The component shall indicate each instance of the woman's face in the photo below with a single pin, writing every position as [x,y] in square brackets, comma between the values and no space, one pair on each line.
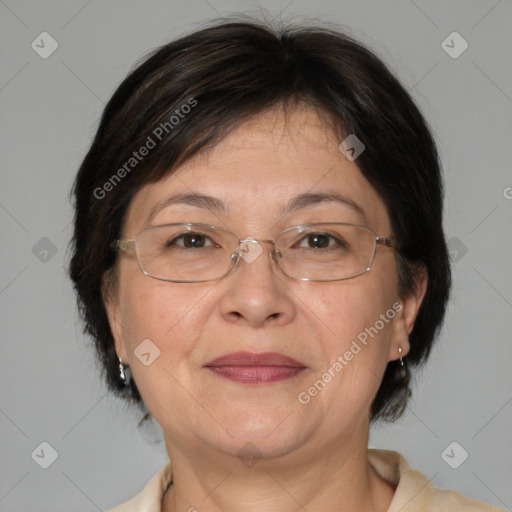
[255,173]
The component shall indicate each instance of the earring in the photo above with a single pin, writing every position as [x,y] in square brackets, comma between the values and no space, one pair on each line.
[122,374]
[403,369]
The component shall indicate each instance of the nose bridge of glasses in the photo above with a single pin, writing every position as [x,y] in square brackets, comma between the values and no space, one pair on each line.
[252,240]
[249,249]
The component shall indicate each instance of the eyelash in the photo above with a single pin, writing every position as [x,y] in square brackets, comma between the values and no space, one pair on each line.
[299,242]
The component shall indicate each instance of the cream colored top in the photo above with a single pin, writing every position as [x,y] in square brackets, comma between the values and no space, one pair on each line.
[414,491]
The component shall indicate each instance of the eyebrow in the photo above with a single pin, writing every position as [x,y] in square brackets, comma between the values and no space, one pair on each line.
[298,202]
[198,200]
[310,199]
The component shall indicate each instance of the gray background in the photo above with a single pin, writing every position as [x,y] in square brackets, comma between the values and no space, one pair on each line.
[50,387]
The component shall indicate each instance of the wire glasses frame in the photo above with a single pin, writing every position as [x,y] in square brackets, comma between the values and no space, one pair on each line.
[160,256]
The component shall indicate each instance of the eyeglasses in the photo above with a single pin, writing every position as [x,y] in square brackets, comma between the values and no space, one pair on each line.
[190,253]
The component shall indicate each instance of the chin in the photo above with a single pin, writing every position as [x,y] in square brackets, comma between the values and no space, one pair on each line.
[268,435]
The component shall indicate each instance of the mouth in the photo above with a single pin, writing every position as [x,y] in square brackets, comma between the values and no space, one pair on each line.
[251,368]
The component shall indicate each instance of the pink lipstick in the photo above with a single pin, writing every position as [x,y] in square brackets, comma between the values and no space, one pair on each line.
[251,368]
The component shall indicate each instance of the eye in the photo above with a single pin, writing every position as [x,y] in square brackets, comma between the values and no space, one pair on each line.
[191,241]
[318,241]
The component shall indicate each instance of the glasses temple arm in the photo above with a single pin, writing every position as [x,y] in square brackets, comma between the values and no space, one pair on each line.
[385,241]
[122,245]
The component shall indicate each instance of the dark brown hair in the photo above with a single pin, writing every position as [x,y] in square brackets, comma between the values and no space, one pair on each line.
[227,73]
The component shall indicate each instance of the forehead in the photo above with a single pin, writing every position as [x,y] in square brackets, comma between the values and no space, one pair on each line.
[257,170]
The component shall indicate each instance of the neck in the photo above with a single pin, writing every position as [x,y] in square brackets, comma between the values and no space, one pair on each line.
[338,477]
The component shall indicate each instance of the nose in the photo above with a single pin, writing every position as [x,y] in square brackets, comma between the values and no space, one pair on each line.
[256,292]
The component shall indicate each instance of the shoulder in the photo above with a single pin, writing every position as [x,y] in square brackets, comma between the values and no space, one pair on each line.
[150,498]
[415,492]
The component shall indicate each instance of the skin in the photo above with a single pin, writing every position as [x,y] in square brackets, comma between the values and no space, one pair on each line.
[314,455]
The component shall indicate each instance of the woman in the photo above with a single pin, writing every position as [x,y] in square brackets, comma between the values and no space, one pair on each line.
[259,256]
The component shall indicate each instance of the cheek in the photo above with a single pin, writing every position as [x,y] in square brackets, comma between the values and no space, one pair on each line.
[159,310]
[357,319]
[171,317]
[349,309]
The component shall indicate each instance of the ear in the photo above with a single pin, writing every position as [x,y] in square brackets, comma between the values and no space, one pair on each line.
[111,302]
[407,312]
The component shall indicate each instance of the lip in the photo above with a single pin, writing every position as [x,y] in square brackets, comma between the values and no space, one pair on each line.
[251,368]
[252,359]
